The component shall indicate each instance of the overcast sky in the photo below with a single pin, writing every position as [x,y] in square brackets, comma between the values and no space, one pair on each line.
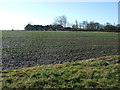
[15,14]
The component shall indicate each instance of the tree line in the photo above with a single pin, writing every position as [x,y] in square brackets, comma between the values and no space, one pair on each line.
[60,23]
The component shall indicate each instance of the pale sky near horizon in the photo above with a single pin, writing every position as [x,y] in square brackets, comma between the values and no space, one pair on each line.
[16,15]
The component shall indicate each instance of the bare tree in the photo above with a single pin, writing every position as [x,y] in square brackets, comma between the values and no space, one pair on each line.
[76,23]
[84,23]
[60,20]
[80,25]
[75,26]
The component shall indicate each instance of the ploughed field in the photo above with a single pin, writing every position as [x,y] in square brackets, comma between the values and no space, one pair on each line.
[31,48]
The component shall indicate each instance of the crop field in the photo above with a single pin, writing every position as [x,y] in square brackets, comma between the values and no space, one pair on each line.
[31,48]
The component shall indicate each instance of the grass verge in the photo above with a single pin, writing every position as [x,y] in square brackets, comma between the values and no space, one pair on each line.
[103,72]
